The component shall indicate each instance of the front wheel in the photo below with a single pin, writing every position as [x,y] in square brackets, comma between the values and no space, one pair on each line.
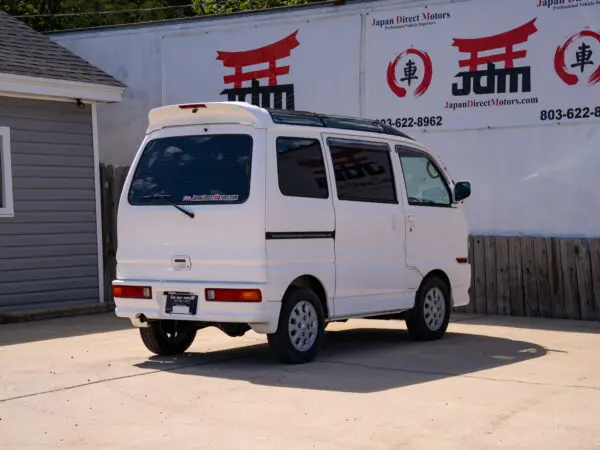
[168,337]
[301,328]
[429,318]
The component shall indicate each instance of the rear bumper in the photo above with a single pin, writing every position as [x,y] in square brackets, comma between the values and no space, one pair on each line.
[263,316]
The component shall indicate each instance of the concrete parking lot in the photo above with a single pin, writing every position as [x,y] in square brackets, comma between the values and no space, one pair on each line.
[501,382]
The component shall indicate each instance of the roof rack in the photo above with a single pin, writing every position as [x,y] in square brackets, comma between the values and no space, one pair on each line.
[309,119]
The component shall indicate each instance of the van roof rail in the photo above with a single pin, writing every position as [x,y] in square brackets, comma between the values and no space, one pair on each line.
[309,119]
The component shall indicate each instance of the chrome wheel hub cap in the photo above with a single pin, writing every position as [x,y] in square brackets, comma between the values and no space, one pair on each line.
[303,326]
[434,309]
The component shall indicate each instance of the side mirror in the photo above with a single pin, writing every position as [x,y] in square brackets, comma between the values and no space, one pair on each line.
[462,190]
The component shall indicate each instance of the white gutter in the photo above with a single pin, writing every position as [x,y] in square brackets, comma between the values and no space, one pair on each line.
[20,85]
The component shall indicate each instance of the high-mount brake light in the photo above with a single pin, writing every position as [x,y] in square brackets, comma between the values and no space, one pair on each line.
[132,292]
[192,106]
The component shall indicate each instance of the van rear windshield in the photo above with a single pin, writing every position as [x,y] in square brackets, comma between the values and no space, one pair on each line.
[189,170]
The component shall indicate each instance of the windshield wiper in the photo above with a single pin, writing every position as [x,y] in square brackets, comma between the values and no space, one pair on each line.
[169,199]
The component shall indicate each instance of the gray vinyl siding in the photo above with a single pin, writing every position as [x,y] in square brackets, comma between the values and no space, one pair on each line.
[48,250]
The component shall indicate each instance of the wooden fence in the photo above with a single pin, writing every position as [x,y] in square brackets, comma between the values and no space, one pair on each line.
[111,183]
[518,276]
[535,277]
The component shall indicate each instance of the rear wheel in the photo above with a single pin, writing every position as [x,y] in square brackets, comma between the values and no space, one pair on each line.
[429,318]
[301,328]
[168,337]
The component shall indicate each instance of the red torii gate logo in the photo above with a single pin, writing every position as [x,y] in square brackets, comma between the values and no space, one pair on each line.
[495,78]
[583,59]
[260,95]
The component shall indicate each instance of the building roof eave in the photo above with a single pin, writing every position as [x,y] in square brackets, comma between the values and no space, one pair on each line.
[26,86]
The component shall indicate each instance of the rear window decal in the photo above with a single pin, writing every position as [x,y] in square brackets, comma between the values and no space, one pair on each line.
[210,198]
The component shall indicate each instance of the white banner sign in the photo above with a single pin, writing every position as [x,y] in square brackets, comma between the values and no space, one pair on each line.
[485,64]
[291,66]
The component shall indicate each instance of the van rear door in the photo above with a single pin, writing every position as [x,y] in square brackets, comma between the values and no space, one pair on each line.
[193,208]
[300,216]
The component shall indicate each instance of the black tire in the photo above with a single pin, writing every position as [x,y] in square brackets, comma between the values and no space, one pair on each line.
[281,343]
[426,321]
[168,337]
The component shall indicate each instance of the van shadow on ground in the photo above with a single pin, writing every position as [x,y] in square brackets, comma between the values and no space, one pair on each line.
[357,360]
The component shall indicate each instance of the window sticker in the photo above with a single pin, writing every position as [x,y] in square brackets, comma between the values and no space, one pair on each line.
[210,198]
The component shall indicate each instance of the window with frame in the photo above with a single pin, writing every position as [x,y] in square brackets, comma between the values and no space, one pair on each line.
[194,170]
[6,194]
[425,184]
[301,168]
[363,171]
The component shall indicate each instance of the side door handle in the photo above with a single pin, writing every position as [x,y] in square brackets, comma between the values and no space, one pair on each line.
[412,221]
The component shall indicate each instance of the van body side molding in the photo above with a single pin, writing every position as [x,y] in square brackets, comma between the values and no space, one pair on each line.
[300,235]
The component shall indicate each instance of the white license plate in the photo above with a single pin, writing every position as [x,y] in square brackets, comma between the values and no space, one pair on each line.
[182,303]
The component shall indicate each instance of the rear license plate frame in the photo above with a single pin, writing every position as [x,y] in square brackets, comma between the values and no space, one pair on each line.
[181,303]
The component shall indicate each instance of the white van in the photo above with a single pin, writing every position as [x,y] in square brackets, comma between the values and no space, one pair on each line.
[244,218]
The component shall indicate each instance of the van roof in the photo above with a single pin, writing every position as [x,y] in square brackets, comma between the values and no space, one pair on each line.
[247,114]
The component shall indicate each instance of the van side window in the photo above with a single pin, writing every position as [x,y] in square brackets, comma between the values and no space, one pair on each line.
[425,185]
[363,171]
[301,168]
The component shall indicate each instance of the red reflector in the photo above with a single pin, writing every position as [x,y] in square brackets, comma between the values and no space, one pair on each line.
[132,291]
[462,260]
[233,295]
[192,106]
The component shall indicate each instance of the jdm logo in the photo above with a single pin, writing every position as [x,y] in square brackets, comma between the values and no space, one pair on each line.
[416,77]
[584,51]
[482,76]
[270,95]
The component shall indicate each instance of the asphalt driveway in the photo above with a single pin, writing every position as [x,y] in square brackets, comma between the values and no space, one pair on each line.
[88,382]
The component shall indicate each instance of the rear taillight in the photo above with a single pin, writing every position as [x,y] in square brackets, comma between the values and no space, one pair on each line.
[233,295]
[132,291]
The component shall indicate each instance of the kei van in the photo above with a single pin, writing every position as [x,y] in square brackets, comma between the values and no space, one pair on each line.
[244,218]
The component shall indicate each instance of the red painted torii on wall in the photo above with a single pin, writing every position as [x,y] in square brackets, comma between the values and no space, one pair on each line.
[504,41]
[267,54]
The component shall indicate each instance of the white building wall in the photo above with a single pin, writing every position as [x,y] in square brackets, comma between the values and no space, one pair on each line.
[137,56]
[134,58]
[527,178]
